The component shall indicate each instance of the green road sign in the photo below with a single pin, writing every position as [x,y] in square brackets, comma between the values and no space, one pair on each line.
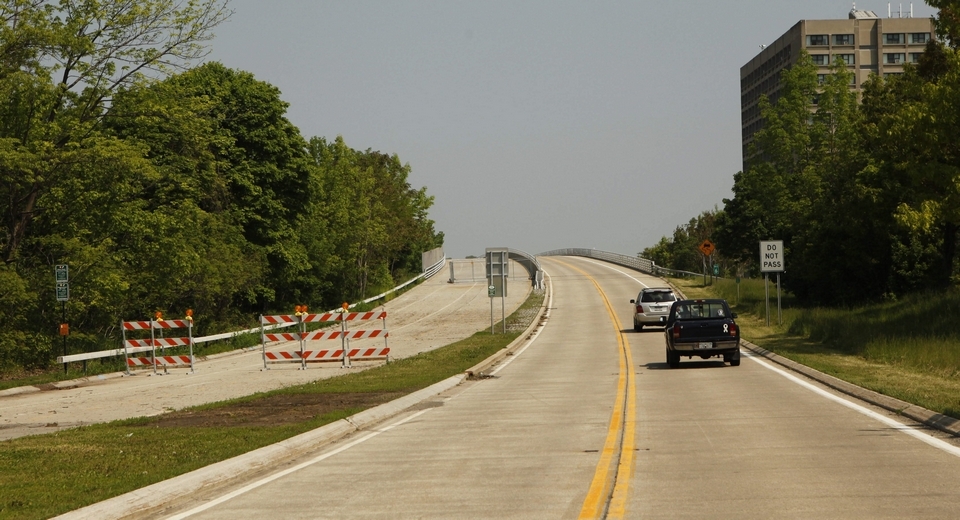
[716,269]
[63,291]
[63,273]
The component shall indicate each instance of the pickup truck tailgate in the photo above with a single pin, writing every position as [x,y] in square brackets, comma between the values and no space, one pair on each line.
[704,329]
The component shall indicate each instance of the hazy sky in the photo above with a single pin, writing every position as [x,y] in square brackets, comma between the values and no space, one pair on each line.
[536,124]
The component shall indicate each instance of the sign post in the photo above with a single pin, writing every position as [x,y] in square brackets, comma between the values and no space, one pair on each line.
[706,247]
[771,261]
[498,259]
[62,285]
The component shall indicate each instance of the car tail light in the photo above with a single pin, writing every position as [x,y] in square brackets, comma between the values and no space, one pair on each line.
[733,329]
[676,331]
[639,309]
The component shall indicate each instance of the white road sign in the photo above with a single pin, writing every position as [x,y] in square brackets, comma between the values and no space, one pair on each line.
[771,256]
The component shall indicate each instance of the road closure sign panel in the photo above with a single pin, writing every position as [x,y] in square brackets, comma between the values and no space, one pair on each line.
[771,256]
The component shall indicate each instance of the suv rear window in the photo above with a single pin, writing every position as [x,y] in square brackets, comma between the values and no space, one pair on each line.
[657,297]
[700,310]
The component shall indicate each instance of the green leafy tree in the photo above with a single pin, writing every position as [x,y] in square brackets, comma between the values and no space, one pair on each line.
[61,63]
[947,20]
[917,135]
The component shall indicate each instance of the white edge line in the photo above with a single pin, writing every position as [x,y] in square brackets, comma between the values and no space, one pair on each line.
[909,430]
[298,467]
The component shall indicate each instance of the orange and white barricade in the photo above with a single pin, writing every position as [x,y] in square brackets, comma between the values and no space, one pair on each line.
[344,355]
[282,356]
[133,346]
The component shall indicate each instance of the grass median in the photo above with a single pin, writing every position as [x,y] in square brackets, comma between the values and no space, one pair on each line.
[907,348]
[45,475]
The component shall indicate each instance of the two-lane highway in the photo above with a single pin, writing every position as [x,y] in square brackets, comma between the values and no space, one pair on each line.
[757,442]
[589,421]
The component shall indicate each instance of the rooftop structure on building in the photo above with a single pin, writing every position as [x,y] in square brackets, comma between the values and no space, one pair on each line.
[867,44]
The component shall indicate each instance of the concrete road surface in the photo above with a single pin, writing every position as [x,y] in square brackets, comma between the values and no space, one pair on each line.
[704,441]
[432,314]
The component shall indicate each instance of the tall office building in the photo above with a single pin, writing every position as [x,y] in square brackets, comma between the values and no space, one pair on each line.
[867,43]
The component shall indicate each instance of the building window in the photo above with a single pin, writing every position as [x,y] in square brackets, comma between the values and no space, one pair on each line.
[893,38]
[894,58]
[892,74]
[820,59]
[816,39]
[915,57]
[919,37]
[846,58]
[843,39]
[822,78]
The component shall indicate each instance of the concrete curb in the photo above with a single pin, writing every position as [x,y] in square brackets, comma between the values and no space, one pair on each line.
[18,390]
[60,385]
[156,495]
[930,418]
[528,334]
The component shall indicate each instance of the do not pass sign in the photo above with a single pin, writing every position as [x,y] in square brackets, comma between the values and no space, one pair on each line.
[771,256]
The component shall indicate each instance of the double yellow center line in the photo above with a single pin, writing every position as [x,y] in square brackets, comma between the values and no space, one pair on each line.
[607,496]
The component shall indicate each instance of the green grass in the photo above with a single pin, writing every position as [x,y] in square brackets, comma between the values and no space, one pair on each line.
[46,475]
[908,348]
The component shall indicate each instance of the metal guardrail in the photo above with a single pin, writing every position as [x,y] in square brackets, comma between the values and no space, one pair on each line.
[530,263]
[640,264]
[430,271]
[663,271]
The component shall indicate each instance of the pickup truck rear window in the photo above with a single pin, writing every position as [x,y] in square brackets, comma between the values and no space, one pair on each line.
[700,310]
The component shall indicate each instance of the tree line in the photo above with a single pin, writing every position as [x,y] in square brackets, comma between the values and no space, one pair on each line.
[865,193]
[167,185]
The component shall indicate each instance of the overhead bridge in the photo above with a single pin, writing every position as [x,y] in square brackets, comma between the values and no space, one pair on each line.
[473,269]
[635,262]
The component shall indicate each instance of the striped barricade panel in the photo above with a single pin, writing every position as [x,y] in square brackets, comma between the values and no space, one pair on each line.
[173,361]
[138,345]
[284,318]
[323,334]
[316,318]
[137,325]
[361,334]
[372,315]
[171,342]
[285,336]
[360,354]
[282,356]
[139,362]
[344,316]
[171,324]
[320,356]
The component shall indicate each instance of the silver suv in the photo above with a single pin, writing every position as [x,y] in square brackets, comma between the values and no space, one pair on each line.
[652,306]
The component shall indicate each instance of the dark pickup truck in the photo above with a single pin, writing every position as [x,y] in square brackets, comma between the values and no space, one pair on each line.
[702,328]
